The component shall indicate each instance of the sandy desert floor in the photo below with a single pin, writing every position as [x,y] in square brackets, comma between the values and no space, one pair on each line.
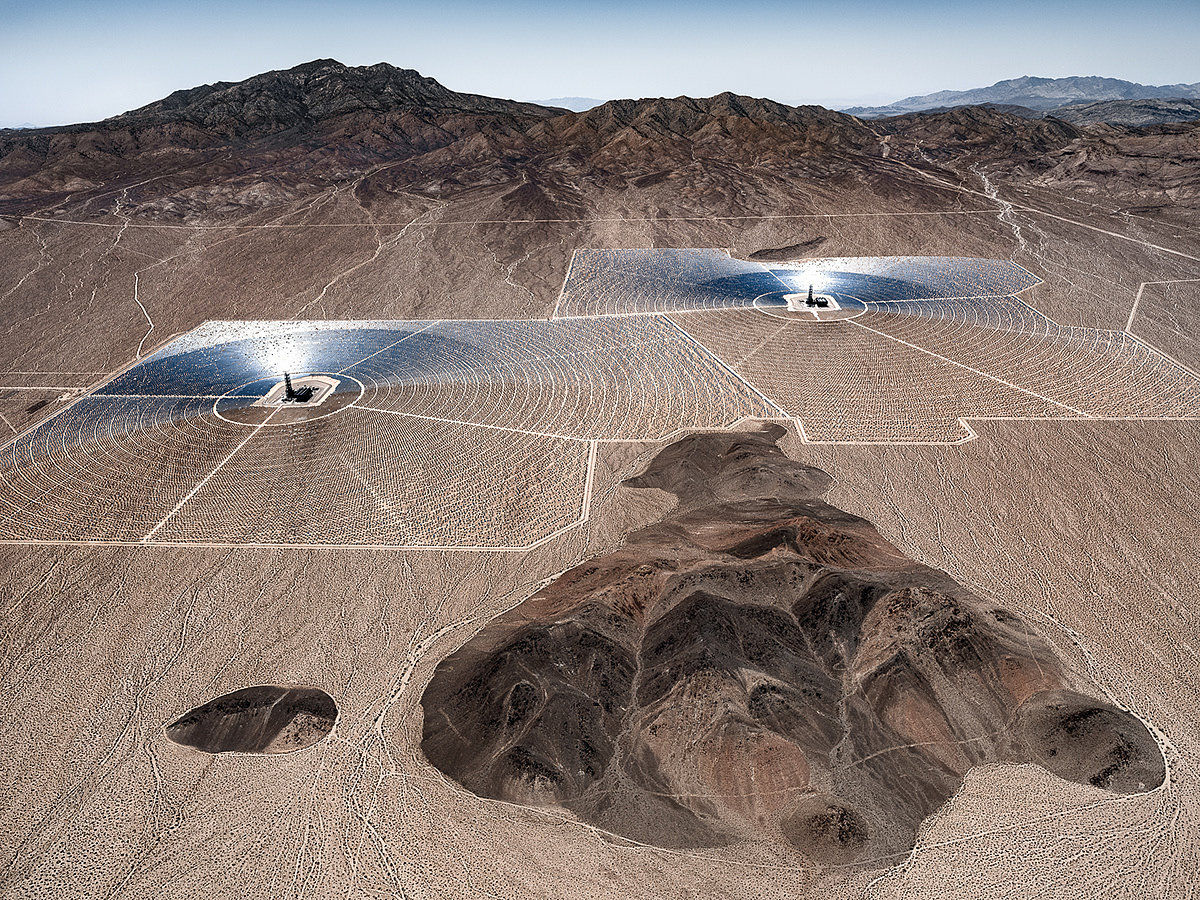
[1086,527]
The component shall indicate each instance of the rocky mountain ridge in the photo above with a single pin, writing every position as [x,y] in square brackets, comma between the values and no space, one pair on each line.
[229,149]
[304,97]
[1134,113]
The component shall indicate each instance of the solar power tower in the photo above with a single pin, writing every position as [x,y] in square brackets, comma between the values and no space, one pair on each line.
[296,395]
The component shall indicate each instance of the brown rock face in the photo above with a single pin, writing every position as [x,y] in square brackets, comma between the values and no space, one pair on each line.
[761,665]
[825,828]
[260,719]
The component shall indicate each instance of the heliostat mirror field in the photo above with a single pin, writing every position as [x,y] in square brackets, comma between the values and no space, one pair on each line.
[482,434]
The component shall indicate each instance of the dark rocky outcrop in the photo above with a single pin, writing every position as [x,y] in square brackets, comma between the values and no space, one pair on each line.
[762,665]
[259,719]
[792,251]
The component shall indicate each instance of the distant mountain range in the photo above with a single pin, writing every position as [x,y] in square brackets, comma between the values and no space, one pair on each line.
[276,135]
[1040,94]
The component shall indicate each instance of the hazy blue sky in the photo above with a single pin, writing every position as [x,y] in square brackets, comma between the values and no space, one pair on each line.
[70,61]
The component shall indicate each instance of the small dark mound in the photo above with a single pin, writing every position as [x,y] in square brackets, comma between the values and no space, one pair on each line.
[826,830]
[1084,740]
[260,719]
[783,254]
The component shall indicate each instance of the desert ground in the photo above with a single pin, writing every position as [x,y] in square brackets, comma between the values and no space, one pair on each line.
[1041,456]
